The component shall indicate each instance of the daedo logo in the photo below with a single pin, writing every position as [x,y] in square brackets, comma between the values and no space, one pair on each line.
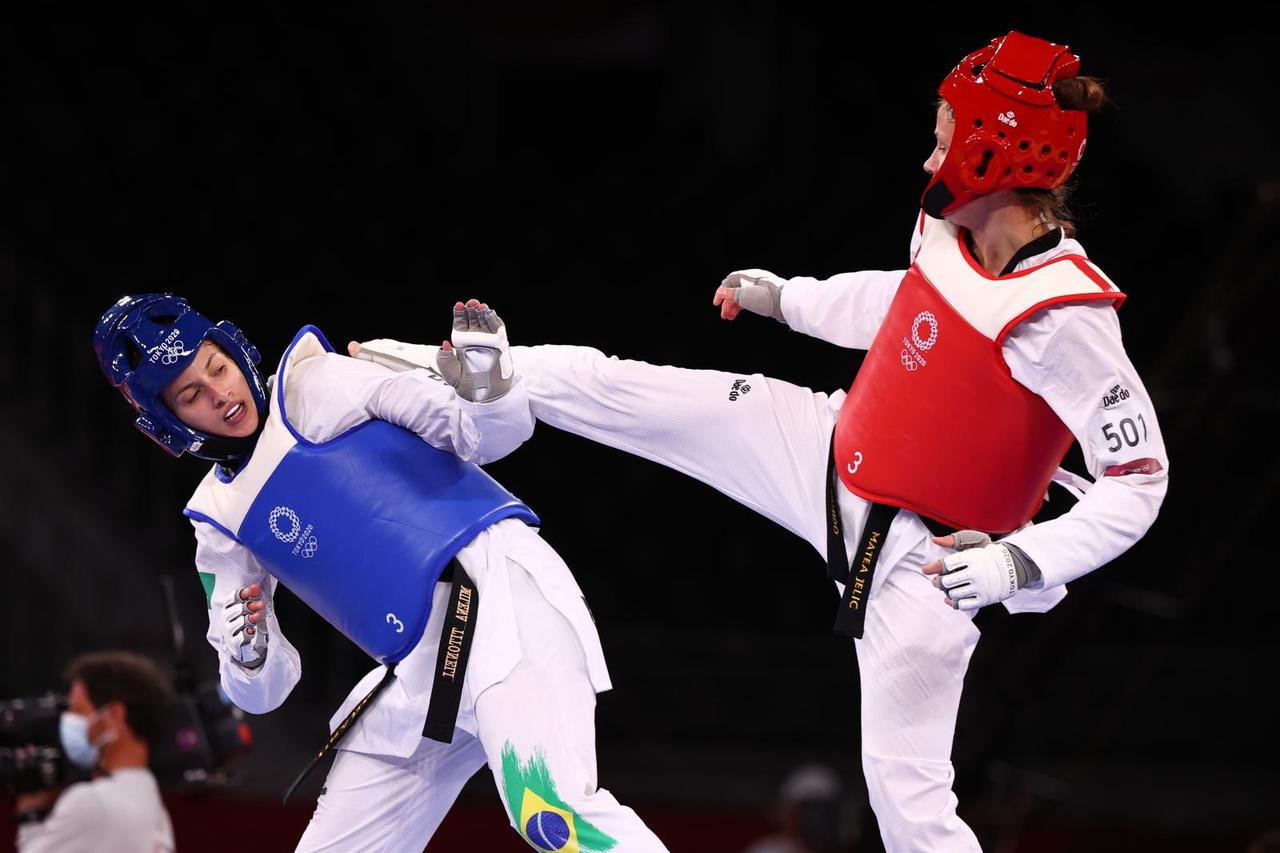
[1115,396]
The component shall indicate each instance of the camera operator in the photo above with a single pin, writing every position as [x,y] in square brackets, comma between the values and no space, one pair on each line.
[116,707]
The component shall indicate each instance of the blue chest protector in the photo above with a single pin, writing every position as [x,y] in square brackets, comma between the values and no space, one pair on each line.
[361,527]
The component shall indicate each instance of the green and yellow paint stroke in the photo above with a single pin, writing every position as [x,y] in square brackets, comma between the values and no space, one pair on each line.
[541,816]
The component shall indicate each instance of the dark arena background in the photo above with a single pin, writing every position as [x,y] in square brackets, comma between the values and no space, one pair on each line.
[593,171]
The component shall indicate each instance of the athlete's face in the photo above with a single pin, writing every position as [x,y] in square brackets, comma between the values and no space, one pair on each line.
[944,127]
[212,395]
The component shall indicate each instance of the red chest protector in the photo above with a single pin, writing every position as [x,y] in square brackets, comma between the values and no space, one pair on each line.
[934,422]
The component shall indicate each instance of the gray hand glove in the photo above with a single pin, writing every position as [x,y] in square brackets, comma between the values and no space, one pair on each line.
[758,291]
[244,626]
[988,573]
[478,365]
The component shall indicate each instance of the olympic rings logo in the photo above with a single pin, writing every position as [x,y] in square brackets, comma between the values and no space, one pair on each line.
[295,526]
[170,353]
[908,361]
[932,321]
[292,530]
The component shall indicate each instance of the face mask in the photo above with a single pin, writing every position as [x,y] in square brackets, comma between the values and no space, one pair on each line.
[74,730]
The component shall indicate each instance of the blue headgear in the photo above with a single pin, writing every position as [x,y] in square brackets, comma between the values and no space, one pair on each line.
[144,342]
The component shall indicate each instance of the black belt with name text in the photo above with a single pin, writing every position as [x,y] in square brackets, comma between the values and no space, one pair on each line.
[451,668]
[451,661]
[852,615]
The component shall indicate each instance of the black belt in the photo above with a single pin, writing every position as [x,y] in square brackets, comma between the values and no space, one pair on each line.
[852,615]
[451,660]
[451,668]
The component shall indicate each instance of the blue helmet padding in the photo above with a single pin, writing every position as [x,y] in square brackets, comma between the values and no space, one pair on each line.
[144,342]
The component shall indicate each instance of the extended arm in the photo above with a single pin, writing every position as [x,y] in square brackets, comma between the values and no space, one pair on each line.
[402,386]
[846,309]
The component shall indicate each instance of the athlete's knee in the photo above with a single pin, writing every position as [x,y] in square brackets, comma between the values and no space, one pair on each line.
[918,777]
[547,356]
[549,822]
[549,809]
[555,370]
[914,804]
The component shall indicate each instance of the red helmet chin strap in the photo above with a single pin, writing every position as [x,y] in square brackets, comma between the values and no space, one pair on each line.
[1010,130]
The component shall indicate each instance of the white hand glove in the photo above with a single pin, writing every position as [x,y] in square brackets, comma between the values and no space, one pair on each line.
[980,572]
[758,291]
[244,625]
[478,365]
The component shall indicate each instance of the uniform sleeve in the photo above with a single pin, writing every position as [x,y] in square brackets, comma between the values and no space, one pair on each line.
[331,394]
[1073,357]
[225,567]
[846,309]
[76,815]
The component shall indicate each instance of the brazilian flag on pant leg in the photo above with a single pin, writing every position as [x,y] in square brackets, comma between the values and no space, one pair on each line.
[542,817]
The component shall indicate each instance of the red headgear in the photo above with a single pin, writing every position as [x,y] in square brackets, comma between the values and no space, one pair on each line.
[1010,131]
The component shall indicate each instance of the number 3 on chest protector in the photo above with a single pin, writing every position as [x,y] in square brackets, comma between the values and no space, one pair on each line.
[392,620]
[857,460]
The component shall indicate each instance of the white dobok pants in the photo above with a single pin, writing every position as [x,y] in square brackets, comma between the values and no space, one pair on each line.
[766,446]
[536,731]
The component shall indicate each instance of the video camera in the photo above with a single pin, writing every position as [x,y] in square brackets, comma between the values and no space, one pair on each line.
[203,732]
[31,757]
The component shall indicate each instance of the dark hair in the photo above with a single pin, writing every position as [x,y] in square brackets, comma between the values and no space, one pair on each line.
[116,676]
[1073,93]
[1080,93]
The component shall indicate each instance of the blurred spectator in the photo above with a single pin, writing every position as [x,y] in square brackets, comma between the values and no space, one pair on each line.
[810,814]
[115,709]
[1267,842]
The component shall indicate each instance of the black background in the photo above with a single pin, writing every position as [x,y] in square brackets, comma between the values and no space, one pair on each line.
[593,171]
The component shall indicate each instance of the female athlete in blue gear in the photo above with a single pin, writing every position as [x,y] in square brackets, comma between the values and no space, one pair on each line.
[358,487]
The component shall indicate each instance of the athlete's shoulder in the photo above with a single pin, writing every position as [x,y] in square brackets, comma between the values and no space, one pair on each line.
[1067,257]
[1068,246]
[1073,247]
[208,481]
[321,364]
